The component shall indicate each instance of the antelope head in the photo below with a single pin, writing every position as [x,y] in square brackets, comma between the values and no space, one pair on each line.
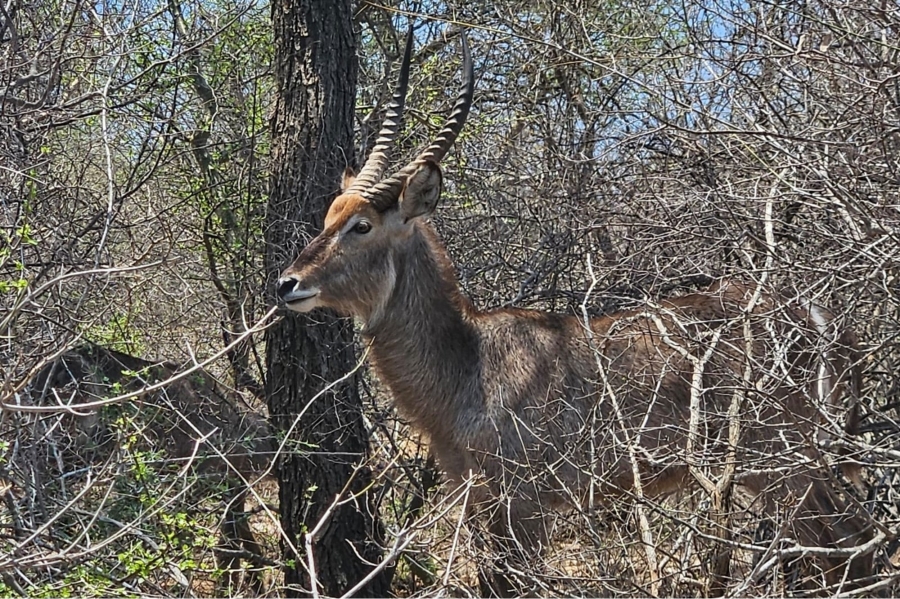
[350,265]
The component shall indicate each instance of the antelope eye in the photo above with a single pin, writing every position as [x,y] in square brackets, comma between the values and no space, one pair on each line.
[362,227]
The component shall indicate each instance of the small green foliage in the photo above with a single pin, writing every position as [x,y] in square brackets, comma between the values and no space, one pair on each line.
[117,333]
[143,373]
[25,233]
[139,561]
[183,536]
[79,581]
[13,285]
[310,491]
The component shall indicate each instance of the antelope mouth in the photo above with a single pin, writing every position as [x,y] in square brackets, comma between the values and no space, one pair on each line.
[302,300]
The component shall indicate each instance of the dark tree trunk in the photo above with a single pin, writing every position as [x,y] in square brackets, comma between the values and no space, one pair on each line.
[312,142]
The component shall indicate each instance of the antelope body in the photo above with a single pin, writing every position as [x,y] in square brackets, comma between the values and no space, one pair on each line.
[556,411]
[182,420]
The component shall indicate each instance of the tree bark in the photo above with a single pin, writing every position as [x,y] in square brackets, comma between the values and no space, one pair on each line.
[312,142]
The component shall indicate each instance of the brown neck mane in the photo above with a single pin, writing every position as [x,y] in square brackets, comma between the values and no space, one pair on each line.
[425,345]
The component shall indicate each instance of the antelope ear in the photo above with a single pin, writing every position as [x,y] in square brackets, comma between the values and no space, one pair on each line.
[349,178]
[421,191]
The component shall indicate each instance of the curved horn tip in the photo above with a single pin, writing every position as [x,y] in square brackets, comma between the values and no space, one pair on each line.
[379,156]
[467,55]
[468,66]
[407,53]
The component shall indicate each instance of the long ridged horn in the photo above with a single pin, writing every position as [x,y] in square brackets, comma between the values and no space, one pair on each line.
[378,158]
[385,193]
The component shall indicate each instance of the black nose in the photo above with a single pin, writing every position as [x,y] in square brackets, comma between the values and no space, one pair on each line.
[285,286]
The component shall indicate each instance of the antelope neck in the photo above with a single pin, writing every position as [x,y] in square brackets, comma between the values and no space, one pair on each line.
[425,346]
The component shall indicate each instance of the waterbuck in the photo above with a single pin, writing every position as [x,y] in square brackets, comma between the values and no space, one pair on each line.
[183,421]
[734,384]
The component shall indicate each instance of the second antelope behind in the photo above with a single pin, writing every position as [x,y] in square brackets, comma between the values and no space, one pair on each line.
[733,385]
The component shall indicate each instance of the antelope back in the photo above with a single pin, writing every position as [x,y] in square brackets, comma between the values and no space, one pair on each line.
[194,410]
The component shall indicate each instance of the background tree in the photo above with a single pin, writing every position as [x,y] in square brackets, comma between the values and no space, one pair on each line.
[312,141]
